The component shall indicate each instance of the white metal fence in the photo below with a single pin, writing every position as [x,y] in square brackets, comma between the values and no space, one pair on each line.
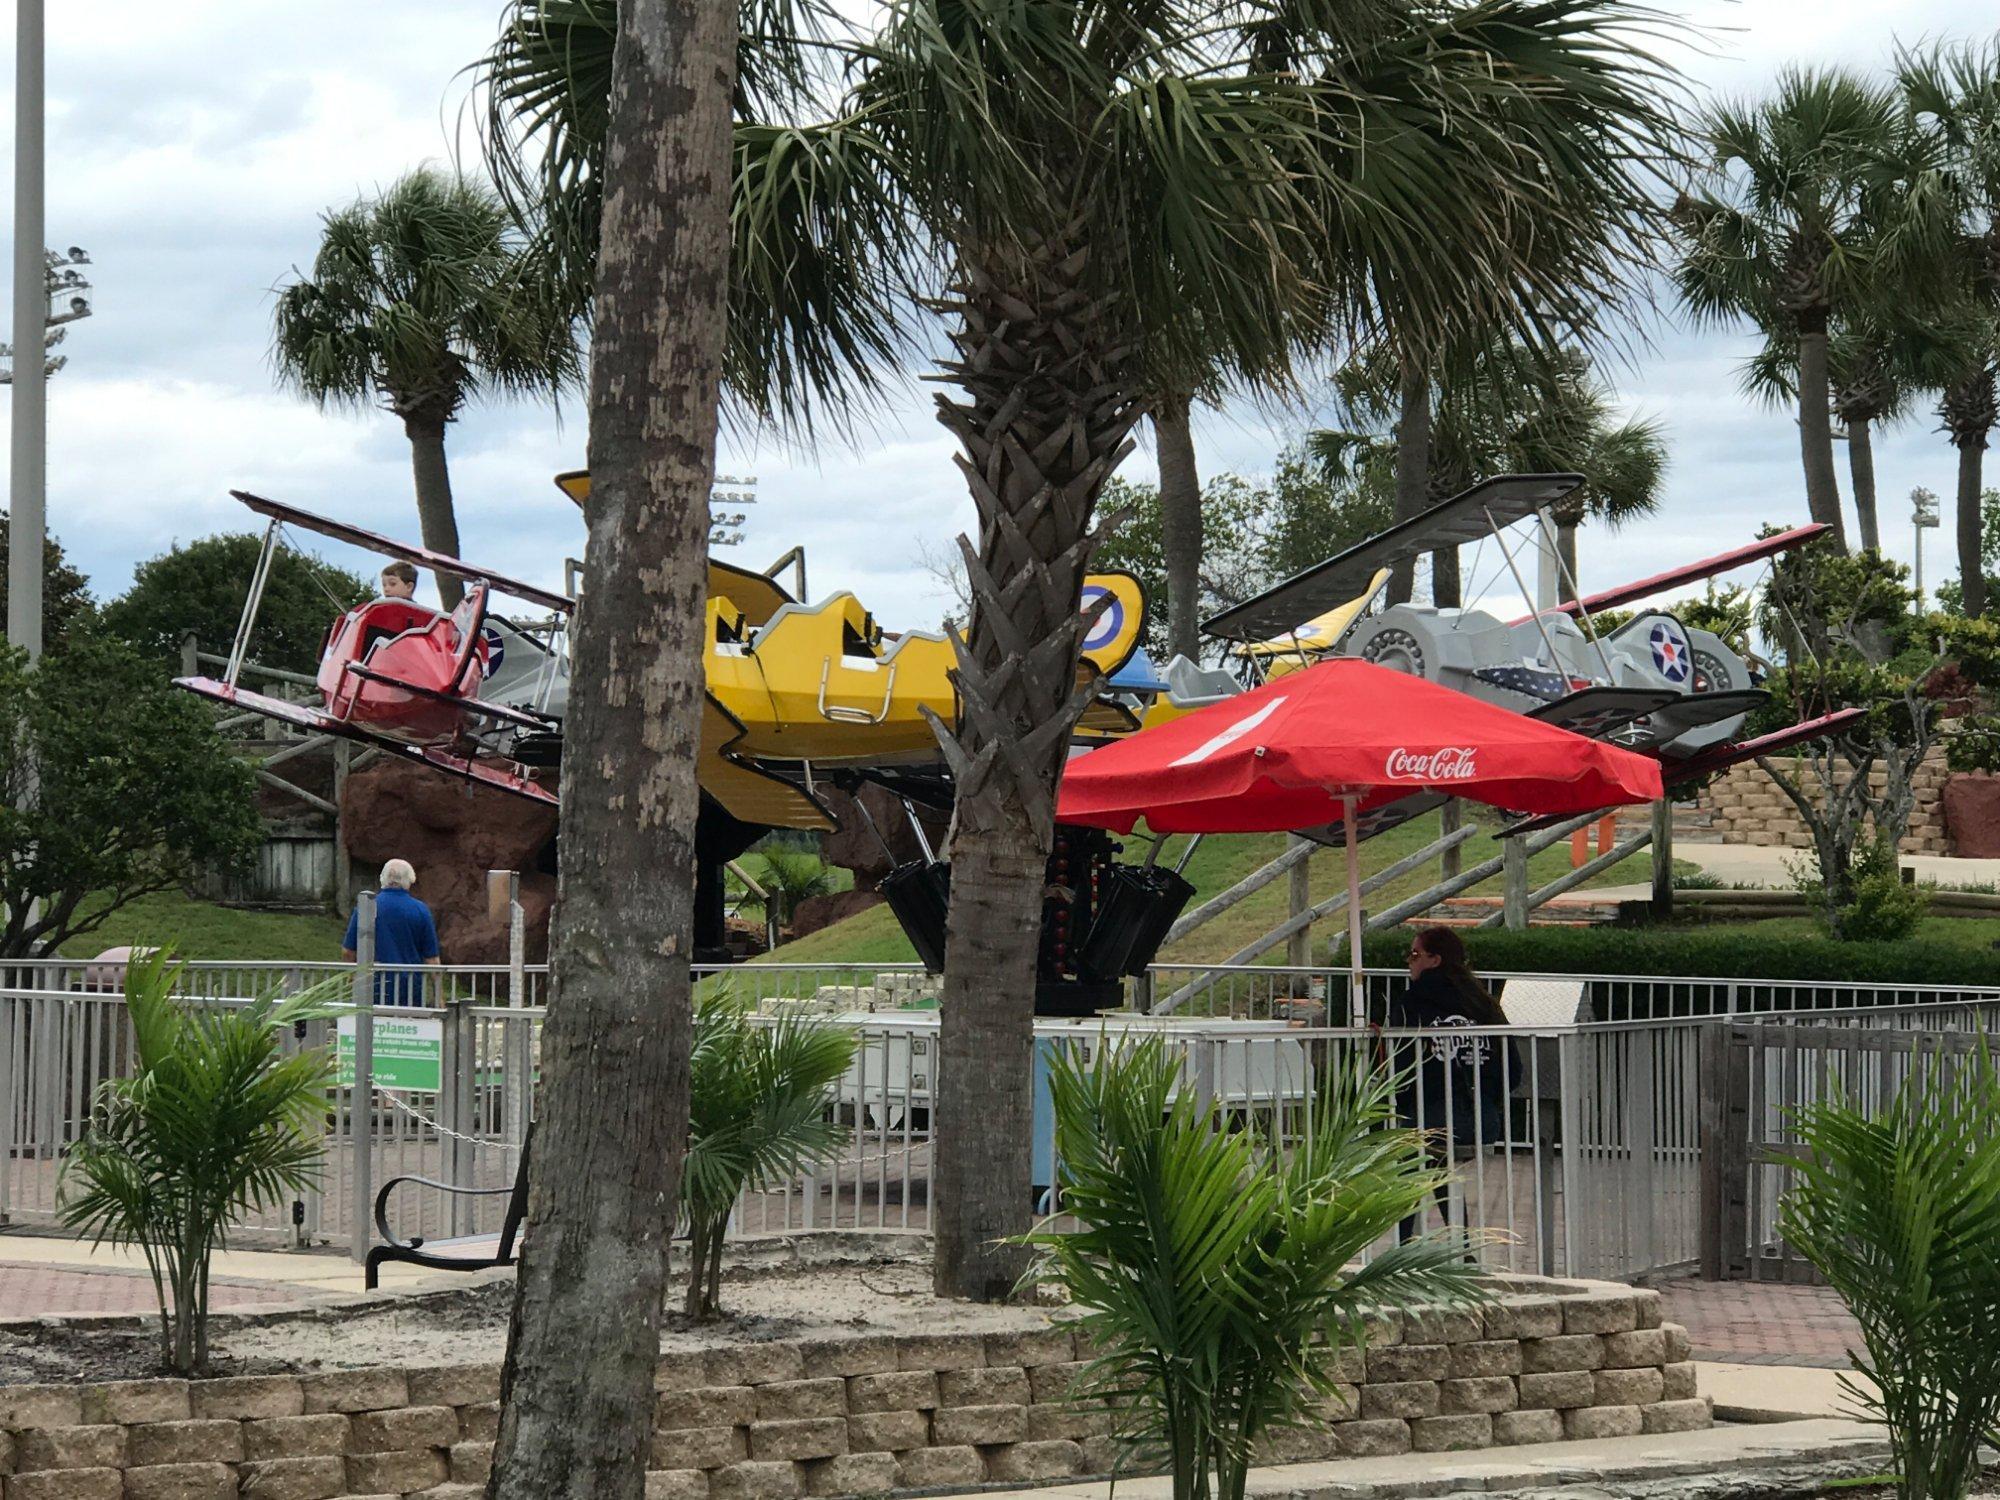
[1592,1167]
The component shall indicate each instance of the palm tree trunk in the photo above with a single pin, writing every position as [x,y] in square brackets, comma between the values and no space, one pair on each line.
[1180,524]
[1446,591]
[1971,564]
[1816,427]
[435,517]
[577,1387]
[1572,581]
[1861,471]
[1051,394]
[1413,464]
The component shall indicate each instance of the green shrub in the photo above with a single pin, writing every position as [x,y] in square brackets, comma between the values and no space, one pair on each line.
[215,1123]
[1879,908]
[1220,1278]
[1901,1214]
[759,1110]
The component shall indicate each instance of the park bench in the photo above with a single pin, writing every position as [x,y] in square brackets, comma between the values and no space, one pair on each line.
[413,1252]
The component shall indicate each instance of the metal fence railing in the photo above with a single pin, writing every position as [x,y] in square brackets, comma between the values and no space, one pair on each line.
[1592,1166]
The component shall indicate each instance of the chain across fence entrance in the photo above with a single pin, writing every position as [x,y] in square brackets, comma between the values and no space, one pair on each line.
[1595,1167]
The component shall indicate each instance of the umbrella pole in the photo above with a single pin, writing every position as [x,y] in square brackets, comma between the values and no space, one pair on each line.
[1357,995]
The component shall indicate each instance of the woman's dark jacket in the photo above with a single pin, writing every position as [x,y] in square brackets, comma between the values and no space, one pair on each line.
[1460,1083]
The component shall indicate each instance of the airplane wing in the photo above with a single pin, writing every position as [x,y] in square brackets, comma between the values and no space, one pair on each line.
[421,557]
[1376,819]
[1465,517]
[1692,572]
[485,773]
[1680,773]
[1321,632]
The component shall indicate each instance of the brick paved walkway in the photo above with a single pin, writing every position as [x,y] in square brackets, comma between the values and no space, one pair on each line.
[31,1290]
[1763,1323]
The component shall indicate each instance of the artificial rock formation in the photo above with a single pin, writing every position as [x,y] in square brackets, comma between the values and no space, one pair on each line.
[453,832]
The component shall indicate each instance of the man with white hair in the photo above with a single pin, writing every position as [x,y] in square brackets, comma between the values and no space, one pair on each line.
[405,936]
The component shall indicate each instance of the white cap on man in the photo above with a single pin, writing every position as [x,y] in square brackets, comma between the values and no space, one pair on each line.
[398,874]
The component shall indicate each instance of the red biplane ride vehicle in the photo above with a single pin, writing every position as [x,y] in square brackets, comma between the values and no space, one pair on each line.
[400,675]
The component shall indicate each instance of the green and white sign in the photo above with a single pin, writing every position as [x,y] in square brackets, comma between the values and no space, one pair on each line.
[409,1054]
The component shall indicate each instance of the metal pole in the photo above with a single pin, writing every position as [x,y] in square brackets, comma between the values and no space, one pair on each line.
[28,518]
[361,1098]
[1357,993]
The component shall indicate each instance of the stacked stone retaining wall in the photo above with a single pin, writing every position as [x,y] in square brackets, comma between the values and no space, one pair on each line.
[1745,806]
[867,1415]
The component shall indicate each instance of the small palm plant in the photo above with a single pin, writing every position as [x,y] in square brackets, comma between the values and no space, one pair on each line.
[760,1096]
[1218,1276]
[216,1122]
[789,877]
[1900,1212]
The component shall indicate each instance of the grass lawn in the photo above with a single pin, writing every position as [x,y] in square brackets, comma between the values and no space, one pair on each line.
[201,929]
[1219,862]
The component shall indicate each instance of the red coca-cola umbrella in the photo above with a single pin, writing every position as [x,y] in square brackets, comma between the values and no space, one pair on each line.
[1324,744]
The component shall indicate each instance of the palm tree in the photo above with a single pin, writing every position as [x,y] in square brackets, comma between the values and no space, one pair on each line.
[1780,233]
[1509,409]
[760,1105]
[1874,372]
[423,299]
[1953,95]
[1101,203]
[583,1345]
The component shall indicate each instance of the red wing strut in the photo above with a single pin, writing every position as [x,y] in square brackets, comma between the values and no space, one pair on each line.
[1692,572]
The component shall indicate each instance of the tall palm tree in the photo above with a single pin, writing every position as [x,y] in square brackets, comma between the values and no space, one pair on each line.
[1505,409]
[1101,202]
[1954,96]
[612,1109]
[1875,371]
[1779,232]
[423,299]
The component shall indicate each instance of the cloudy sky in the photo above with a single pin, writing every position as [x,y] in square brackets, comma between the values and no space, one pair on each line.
[192,148]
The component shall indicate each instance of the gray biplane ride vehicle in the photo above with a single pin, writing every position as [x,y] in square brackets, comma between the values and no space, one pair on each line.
[1653,684]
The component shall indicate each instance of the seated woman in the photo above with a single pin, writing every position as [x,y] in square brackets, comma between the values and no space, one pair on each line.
[1456,1085]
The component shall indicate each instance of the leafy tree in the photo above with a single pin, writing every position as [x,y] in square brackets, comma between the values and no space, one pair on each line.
[1847,639]
[423,299]
[760,1100]
[198,589]
[1780,232]
[1258,531]
[1104,200]
[1953,93]
[1220,1279]
[1898,1207]
[66,600]
[216,1122]
[114,785]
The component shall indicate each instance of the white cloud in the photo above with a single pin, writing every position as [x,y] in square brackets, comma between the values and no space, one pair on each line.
[193,147]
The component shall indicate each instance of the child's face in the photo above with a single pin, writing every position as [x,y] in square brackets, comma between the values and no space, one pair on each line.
[394,587]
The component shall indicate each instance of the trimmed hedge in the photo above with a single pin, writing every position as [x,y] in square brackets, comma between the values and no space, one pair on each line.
[1786,964]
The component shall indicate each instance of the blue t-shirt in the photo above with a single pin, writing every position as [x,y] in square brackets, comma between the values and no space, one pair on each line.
[404,934]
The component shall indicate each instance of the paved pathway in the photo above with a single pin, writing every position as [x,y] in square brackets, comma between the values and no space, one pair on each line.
[1763,1323]
[31,1290]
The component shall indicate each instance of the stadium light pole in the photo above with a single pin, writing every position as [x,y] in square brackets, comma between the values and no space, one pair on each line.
[27,515]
